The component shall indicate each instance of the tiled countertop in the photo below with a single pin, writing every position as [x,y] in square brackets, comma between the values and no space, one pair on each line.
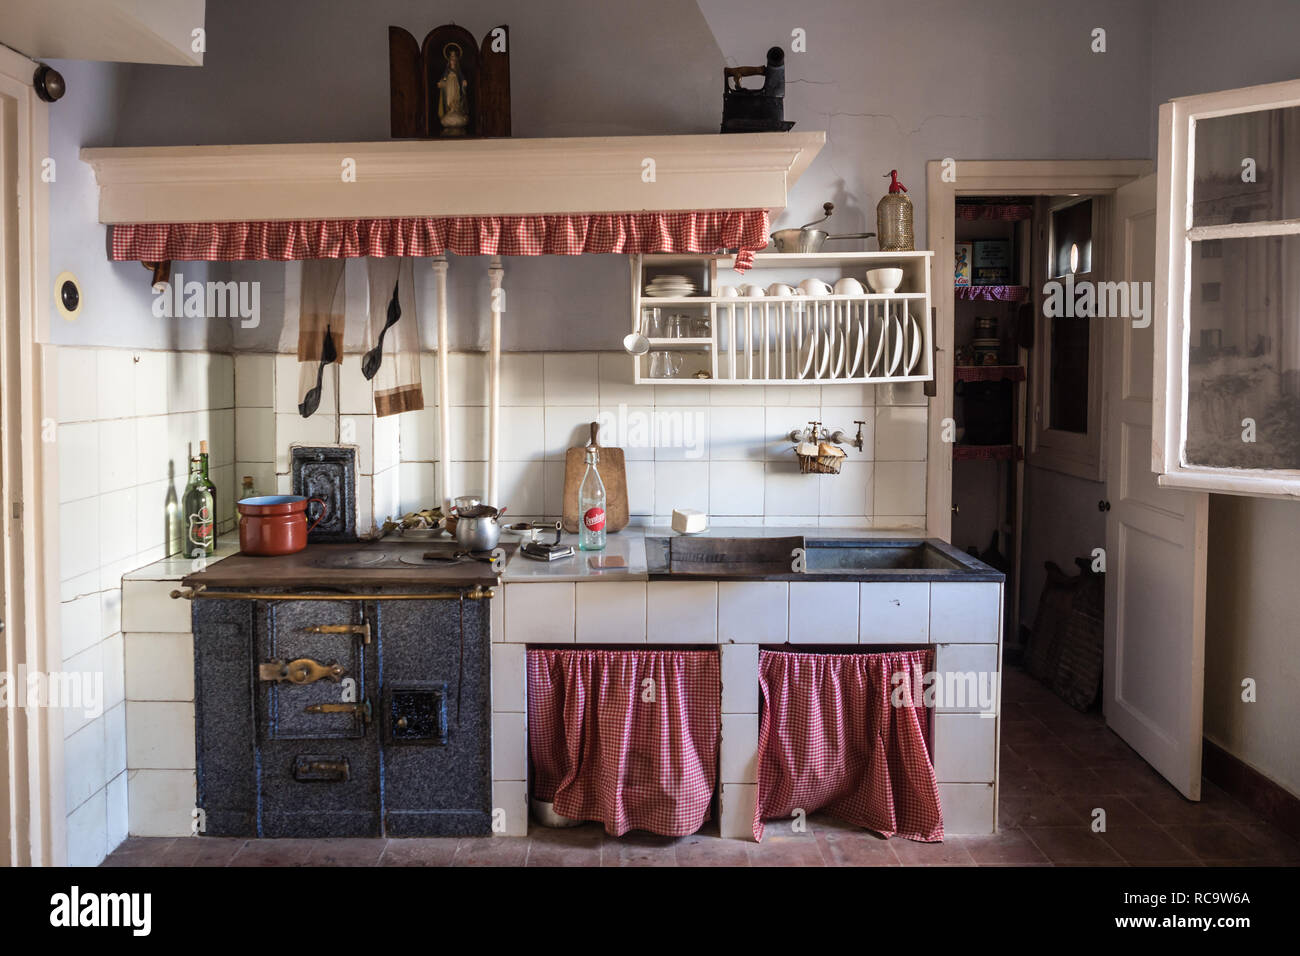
[176,567]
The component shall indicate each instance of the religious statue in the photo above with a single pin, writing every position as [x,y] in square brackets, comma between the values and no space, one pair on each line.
[453,93]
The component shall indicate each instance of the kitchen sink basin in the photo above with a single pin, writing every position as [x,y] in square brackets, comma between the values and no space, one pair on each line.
[773,558]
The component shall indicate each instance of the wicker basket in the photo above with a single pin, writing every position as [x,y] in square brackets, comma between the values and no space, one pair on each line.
[819,464]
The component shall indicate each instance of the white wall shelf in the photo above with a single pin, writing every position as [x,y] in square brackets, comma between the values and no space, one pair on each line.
[796,339]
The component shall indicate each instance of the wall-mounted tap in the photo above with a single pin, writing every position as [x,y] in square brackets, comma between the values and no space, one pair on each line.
[840,438]
[815,432]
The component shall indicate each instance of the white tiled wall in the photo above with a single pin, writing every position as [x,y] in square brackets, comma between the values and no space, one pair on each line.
[721,449]
[126,423]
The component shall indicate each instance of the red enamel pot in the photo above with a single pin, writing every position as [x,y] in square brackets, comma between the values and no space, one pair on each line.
[275,524]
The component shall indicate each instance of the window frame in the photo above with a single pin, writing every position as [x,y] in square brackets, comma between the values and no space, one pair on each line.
[1174,239]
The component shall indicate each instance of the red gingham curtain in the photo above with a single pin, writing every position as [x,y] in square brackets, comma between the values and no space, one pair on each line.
[830,739]
[601,751]
[563,235]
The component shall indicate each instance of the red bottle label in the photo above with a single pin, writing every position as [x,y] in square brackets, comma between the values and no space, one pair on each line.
[594,519]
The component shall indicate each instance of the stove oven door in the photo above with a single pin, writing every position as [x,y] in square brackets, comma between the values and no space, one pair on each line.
[434,717]
[318,754]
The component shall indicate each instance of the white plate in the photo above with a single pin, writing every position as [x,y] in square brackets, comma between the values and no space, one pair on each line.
[914,357]
[897,358]
[880,346]
[859,329]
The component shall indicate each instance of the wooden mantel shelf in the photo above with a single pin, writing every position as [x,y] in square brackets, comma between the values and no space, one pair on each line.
[449,177]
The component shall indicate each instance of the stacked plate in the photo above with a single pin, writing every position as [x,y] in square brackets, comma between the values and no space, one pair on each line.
[669,286]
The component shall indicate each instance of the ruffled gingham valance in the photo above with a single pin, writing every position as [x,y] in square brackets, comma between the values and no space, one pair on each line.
[706,231]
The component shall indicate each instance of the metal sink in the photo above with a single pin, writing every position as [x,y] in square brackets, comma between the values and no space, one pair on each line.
[839,556]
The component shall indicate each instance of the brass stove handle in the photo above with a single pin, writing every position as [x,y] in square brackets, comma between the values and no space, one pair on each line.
[360,711]
[362,629]
[304,670]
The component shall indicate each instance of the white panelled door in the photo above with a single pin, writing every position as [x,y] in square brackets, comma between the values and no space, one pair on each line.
[1155,539]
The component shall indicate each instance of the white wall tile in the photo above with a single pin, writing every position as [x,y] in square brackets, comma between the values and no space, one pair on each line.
[150,383]
[418,484]
[966,613]
[968,808]
[568,426]
[79,625]
[521,379]
[159,735]
[753,612]
[740,678]
[965,748]
[630,427]
[114,671]
[737,433]
[901,433]
[115,384]
[85,701]
[78,461]
[608,612]
[736,802]
[117,454]
[849,492]
[571,378]
[842,396]
[117,526]
[255,380]
[779,422]
[786,492]
[387,443]
[510,799]
[509,678]
[87,832]
[159,667]
[540,613]
[640,487]
[356,392]
[419,435]
[682,433]
[520,485]
[616,387]
[899,488]
[293,429]
[682,612]
[118,823]
[255,434]
[968,677]
[738,751]
[161,802]
[823,612]
[469,433]
[509,746]
[553,488]
[894,613]
[736,487]
[153,459]
[681,484]
[467,378]
[115,742]
[147,607]
[523,434]
[78,538]
[83,763]
[77,389]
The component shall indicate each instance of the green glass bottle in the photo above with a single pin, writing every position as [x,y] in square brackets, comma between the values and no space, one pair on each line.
[200,532]
[212,489]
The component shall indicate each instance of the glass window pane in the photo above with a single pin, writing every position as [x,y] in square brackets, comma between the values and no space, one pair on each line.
[1244,361]
[1068,401]
[1247,167]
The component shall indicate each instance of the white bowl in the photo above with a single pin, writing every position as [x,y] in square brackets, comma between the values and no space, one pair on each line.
[884,281]
[848,286]
[754,290]
[814,287]
[779,288]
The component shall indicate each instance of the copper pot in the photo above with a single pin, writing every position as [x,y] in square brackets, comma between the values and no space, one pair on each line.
[275,524]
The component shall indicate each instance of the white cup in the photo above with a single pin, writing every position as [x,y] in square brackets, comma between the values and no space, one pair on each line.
[728,291]
[848,286]
[754,290]
[779,288]
[814,287]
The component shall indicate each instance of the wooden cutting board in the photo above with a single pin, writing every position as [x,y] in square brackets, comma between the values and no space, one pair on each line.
[612,472]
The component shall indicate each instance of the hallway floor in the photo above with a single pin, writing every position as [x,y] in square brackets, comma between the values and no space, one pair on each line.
[1057,767]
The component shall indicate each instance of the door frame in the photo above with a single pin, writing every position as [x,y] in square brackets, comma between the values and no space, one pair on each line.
[981,178]
[35,831]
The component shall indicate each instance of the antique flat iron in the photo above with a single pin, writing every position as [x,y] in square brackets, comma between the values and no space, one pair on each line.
[758,110]
[547,551]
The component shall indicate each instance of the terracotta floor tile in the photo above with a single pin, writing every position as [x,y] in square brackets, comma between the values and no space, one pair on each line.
[952,852]
[786,850]
[202,851]
[709,850]
[1039,810]
[1120,811]
[1271,844]
[856,848]
[1072,845]
[347,852]
[1066,780]
[1168,806]
[492,851]
[421,851]
[1147,846]
[1216,841]
[639,849]
[1046,754]
[140,851]
[1008,845]
[273,853]
[566,846]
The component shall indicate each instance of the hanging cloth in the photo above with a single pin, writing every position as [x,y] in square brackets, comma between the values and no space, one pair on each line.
[322,309]
[392,345]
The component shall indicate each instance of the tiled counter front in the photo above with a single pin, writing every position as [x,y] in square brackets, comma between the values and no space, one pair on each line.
[962,620]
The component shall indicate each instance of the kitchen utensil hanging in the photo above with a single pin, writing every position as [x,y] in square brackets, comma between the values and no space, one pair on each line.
[806,239]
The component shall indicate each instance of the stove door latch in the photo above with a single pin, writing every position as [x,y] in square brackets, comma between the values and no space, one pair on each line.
[361,711]
[361,629]
[304,670]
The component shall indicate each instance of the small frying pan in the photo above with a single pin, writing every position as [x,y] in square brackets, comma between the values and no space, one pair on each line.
[808,239]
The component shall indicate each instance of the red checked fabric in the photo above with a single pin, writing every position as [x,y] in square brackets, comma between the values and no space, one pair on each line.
[602,751]
[560,235]
[830,739]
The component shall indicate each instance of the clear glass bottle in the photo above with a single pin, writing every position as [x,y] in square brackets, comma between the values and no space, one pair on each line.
[591,506]
[200,532]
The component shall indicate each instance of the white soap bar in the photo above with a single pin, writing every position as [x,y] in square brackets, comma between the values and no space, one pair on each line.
[689,521]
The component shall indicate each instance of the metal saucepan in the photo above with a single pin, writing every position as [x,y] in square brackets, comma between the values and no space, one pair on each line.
[478,529]
[808,239]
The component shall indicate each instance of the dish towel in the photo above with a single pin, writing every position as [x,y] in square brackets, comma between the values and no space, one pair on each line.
[629,738]
[321,313]
[392,346]
[830,737]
